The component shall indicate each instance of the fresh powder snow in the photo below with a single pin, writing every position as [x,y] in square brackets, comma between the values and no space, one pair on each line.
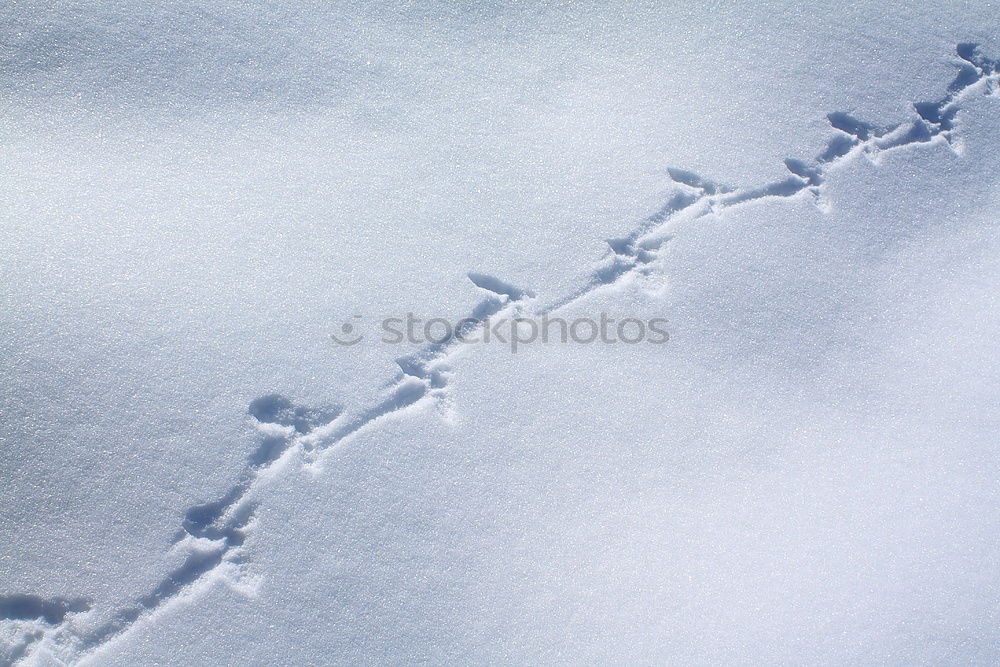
[499,333]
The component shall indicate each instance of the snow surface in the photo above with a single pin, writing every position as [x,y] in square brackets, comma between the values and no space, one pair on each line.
[196,195]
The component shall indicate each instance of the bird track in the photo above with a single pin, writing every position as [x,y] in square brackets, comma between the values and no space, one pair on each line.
[211,540]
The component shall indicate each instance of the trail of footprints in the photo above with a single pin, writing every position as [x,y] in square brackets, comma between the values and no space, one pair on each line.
[212,534]
[212,537]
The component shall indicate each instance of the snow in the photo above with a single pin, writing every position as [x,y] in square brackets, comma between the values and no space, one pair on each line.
[198,195]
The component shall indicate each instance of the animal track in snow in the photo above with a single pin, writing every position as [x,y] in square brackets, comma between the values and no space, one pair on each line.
[34,615]
[213,534]
[33,607]
[697,196]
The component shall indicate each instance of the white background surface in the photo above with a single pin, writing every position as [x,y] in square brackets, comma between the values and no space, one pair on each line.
[194,197]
